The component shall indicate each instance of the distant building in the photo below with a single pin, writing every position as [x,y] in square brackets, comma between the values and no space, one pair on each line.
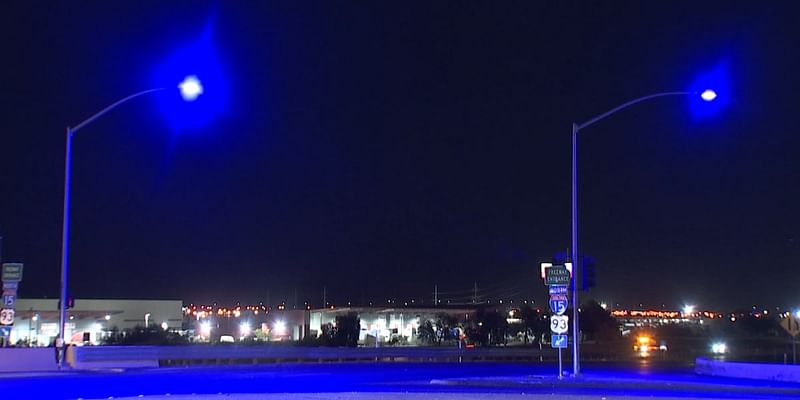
[37,320]
[630,319]
[386,324]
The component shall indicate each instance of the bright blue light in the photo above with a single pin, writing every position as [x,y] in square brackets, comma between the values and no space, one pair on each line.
[707,95]
[712,85]
[194,105]
[191,88]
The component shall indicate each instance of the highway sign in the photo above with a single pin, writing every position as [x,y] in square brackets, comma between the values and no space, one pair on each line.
[559,323]
[556,275]
[557,289]
[12,272]
[558,305]
[5,331]
[559,341]
[6,316]
[791,324]
[9,300]
[544,266]
[10,285]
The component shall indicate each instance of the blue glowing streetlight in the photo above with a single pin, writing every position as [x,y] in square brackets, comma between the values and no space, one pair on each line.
[706,95]
[190,89]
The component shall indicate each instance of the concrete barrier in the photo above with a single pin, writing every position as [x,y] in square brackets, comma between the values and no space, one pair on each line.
[92,357]
[770,372]
[25,359]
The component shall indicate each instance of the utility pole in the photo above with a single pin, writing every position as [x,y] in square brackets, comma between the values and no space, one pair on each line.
[475,293]
[435,295]
[324,297]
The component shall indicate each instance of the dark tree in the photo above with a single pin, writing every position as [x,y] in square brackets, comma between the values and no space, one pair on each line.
[534,323]
[446,324]
[348,327]
[426,333]
[597,323]
[488,328]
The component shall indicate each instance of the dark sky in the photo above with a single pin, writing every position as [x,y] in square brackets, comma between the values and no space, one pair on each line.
[380,148]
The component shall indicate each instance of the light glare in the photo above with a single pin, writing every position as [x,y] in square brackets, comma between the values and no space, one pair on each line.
[191,88]
[205,329]
[280,328]
[708,95]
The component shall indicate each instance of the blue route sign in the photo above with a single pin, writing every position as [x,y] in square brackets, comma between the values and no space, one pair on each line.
[9,300]
[557,289]
[5,331]
[558,306]
[559,341]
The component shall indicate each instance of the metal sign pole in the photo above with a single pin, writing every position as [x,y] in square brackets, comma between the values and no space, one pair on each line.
[560,368]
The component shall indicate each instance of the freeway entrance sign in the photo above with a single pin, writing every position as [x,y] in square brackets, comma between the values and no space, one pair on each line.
[12,272]
[556,275]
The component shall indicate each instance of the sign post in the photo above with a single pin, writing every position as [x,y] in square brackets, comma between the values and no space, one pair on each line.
[792,326]
[557,279]
[11,276]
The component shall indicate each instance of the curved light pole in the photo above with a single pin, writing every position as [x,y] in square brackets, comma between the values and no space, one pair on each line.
[190,89]
[706,95]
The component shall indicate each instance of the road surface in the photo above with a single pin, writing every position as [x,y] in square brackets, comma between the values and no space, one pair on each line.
[388,380]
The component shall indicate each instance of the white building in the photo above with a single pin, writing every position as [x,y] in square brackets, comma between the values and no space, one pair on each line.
[387,324]
[37,320]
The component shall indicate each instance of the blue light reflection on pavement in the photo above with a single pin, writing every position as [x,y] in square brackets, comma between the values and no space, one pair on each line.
[362,377]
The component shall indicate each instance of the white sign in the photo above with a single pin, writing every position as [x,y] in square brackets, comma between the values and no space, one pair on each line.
[544,266]
[791,324]
[6,317]
[559,323]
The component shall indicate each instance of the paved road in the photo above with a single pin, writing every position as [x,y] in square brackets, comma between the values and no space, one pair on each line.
[374,380]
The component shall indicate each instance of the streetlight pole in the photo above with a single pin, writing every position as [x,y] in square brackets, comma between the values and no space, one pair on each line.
[707,95]
[190,89]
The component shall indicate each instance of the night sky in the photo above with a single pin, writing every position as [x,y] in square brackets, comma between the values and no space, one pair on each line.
[380,148]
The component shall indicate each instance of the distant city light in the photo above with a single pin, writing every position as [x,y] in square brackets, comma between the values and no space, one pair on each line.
[107,317]
[280,328]
[604,306]
[191,88]
[244,329]
[708,95]
[205,329]
[719,348]
[797,313]
[688,309]
[164,326]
